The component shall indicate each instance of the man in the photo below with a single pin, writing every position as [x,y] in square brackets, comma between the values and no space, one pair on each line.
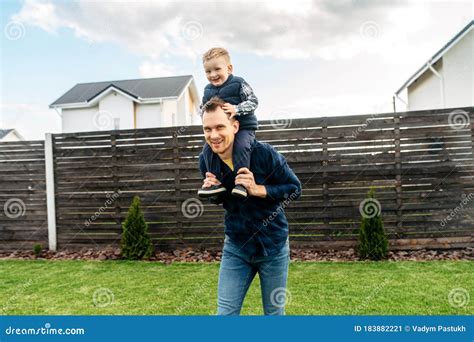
[256,228]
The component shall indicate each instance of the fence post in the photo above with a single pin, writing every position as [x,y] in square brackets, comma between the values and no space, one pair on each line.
[50,199]
[177,187]
[398,176]
[325,162]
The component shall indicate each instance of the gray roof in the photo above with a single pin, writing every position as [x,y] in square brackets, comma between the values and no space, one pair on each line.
[139,88]
[4,132]
[435,57]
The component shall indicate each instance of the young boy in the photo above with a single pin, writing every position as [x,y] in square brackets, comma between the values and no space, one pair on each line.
[241,103]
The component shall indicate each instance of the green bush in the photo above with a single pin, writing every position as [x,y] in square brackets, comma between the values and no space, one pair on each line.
[37,250]
[136,243]
[373,243]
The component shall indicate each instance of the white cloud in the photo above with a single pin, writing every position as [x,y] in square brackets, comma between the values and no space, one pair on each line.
[325,28]
[156,69]
[41,14]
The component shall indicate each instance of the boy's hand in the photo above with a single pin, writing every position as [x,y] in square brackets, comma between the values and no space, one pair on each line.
[229,109]
[210,180]
[246,179]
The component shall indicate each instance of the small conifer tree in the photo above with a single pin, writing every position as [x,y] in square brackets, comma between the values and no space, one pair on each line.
[136,243]
[373,243]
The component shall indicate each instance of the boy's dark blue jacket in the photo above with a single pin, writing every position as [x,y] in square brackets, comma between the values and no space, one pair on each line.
[229,91]
[260,221]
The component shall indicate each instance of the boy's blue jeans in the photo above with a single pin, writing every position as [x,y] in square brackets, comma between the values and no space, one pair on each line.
[237,271]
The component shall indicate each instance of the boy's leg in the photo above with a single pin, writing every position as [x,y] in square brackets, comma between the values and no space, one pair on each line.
[213,165]
[243,143]
[273,273]
[235,277]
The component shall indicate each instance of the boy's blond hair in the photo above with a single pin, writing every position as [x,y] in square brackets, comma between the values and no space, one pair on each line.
[214,53]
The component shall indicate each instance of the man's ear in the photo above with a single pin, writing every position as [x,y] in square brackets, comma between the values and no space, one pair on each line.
[236,125]
[230,68]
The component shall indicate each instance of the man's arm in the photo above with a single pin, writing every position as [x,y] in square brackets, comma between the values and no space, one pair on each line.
[249,100]
[283,183]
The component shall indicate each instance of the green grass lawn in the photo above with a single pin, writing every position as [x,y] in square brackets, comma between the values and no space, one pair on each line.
[316,288]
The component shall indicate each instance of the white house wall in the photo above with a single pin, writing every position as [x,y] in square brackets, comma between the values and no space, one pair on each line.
[456,68]
[169,113]
[182,111]
[148,115]
[116,106]
[191,115]
[458,65]
[79,120]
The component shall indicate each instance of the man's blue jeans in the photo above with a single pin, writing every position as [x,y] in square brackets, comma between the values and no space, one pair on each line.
[237,271]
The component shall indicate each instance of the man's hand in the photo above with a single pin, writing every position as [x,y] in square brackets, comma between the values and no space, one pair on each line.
[229,109]
[210,180]
[246,179]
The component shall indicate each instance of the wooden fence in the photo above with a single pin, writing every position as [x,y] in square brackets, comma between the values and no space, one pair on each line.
[23,220]
[421,164]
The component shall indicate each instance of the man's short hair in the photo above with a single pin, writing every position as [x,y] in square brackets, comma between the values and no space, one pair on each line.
[214,53]
[212,105]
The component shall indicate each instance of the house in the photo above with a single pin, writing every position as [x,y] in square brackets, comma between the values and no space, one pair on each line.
[446,80]
[129,104]
[10,135]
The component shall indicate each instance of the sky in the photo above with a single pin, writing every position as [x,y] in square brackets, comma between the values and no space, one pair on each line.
[302,58]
